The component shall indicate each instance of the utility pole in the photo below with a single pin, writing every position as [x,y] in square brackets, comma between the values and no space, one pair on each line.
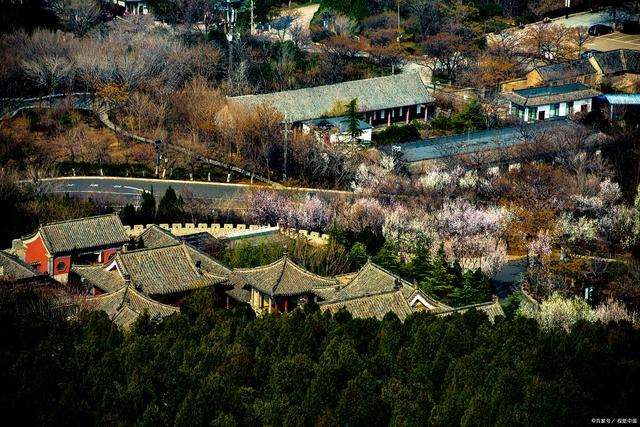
[398,18]
[567,5]
[286,139]
[252,30]
[231,17]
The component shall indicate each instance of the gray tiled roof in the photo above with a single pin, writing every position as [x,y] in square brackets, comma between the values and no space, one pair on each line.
[13,268]
[550,94]
[239,293]
[376,305]
[97,276]
[566,70]
[283,278]
[492,309]
[126,304]
[619,61]
[373,279]
[83,233]
[156,237]
[165,270]
[208,263]
[373,94]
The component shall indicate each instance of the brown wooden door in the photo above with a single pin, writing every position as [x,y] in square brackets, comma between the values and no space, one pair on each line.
[540,115]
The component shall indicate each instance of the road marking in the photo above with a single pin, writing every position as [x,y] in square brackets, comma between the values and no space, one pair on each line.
[94,192]
[70,185]
[117,186]
[93,185]
[133,188]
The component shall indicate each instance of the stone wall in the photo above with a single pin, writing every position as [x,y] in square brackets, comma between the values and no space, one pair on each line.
[231,231]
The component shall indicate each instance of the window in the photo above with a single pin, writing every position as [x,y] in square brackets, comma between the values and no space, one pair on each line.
[382,114]
[418,109]
[569,107]
[555,108]
[61,266]
[401,111]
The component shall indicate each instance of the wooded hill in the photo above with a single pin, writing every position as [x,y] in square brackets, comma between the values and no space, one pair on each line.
[225,367]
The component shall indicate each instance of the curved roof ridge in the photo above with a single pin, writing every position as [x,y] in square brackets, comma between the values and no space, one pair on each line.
[107,295]
[285,258]
[260,267]
[406,282]
[133,251]
[214,259]
[303,270]
[357,297]
[140,295]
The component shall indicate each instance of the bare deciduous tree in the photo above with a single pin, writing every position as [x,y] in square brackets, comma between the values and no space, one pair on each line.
[77,16]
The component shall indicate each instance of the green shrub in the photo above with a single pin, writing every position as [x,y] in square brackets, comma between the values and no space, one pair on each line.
[396,134]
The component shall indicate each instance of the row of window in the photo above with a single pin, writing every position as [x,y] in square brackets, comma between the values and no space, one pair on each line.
[401,111]
[554,110]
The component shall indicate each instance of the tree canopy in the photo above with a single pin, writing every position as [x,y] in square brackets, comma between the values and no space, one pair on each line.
[208,365]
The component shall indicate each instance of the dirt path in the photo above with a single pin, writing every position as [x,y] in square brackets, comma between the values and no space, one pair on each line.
[303,14]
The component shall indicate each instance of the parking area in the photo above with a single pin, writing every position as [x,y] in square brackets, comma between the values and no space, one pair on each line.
[614,41]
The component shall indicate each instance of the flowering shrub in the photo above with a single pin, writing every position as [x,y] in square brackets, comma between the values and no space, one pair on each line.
[556,312]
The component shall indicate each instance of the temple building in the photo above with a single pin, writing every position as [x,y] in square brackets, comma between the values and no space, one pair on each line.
[374,292]
[165,273]
[282,285]
[52,246]
[126,304]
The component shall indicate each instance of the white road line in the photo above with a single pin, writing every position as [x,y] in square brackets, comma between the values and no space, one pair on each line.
[133,188]
[117,186]
[93,185]
[94,192]
[70,185]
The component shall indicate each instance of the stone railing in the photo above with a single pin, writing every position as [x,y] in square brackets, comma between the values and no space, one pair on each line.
[230,231]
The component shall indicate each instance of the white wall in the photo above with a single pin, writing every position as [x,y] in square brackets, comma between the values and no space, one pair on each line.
[546,109]
[578,104]
[562,111]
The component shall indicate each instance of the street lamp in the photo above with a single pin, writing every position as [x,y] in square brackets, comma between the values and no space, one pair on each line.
[567,5]
[157,143]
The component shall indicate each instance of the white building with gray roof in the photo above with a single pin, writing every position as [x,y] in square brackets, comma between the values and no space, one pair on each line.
[382,100]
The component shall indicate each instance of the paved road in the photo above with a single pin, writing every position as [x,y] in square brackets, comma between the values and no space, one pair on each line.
[129,189]
[508,280]
[614,41]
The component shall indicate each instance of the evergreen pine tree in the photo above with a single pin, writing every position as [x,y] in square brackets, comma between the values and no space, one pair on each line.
[387,257]
[128,215]
[147,212]
[357,255]
[420,265]
[352,119]
[439,283]
[171,207]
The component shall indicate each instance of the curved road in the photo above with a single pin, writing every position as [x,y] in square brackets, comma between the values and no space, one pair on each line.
[131,188]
